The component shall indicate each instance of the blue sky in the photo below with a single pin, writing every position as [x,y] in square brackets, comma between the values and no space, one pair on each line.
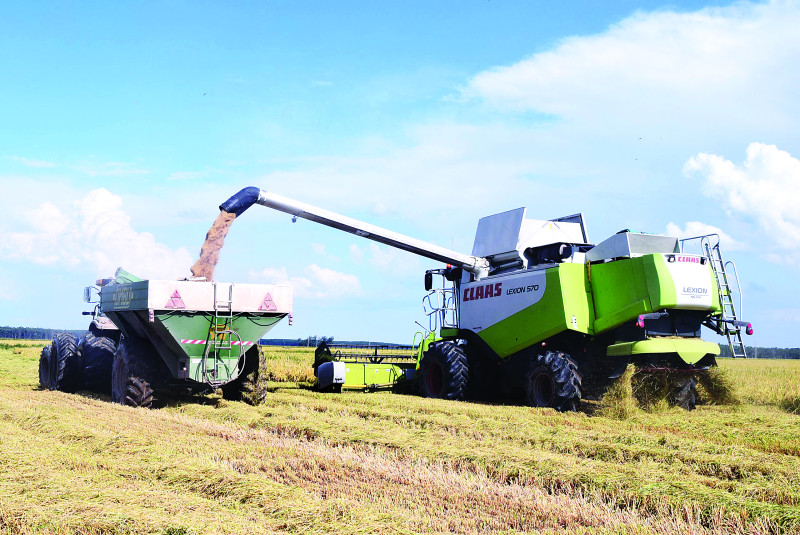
[124,125]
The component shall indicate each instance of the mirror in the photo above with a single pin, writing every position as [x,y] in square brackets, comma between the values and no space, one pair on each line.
[428,281]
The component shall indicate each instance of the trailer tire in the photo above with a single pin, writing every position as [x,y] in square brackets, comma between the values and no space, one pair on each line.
[129,385]
[98,360]
[65,363]
[248,387]
[443,372]
[553,381]
[45,368]
[685,395]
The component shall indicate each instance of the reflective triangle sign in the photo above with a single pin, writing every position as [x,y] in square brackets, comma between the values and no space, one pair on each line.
[268,304]
[175,301]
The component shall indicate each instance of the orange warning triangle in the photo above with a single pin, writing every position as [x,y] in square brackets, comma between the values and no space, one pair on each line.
[175,301]
[268,304]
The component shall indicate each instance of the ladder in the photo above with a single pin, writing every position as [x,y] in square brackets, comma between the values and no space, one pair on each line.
[728,322]
[222,336]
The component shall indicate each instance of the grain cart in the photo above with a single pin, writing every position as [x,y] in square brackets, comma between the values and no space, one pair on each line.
[540,314]
[150,335]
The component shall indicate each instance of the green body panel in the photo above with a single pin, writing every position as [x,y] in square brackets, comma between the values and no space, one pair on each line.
[428,340]
[364,376]
[691,350]
[223,356]
[192,342]
[565,305]
[626,288]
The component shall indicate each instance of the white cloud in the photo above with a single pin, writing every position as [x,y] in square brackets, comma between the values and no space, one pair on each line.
[696,228]
[317,282]
[96,232]
[187,175]
[662,69]
[32,162]
[764,189]
[386,259]
[112,169]
[788,315]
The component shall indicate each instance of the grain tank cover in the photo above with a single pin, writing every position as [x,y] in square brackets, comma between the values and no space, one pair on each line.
[632,245]
[504,237]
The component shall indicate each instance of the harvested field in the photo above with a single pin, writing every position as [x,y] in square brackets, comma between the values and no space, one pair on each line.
[379,463]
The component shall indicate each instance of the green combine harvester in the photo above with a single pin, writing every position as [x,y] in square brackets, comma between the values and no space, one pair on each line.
[539,314]
[147,336]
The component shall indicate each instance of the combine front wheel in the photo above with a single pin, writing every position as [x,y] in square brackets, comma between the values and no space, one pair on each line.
[443,371]
[553,381]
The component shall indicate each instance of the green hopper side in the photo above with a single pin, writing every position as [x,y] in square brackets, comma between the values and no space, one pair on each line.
[200,330]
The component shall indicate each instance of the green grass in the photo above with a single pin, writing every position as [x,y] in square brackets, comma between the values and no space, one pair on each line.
[386,463]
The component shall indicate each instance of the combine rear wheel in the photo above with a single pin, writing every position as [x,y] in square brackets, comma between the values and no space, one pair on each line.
[443,372]
[65,365]
[98,359]
[248,387]
[685,395]
[128,383]
[553,381]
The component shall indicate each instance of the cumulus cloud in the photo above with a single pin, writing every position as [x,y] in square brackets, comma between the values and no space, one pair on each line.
[316,283]
[696,228]
[95,231]
[661,67]
[765,189]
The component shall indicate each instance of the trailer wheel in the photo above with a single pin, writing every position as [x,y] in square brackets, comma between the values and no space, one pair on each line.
[443,372]
[45,368]
[685,395]
[553,381]
[248,386]
[128,386]
[65,363]
[98,359]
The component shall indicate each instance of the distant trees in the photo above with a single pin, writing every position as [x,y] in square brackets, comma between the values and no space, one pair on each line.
[28,333]
[765,352]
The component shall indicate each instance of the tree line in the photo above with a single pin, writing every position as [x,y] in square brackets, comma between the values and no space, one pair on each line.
[765,352]
[40,333]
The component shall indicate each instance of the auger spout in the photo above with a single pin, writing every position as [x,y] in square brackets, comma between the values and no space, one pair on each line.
[252,195]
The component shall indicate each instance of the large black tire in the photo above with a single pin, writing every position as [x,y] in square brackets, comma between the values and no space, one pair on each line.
[98,359]
[443,372]
[685,395]
[129,375]
[65,363]
[45,369]
[249,386]
[553,381]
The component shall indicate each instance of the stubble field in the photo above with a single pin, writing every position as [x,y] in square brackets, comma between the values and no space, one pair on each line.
[386,463]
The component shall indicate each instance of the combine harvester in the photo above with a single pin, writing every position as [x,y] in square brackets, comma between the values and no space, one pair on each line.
[537,313]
